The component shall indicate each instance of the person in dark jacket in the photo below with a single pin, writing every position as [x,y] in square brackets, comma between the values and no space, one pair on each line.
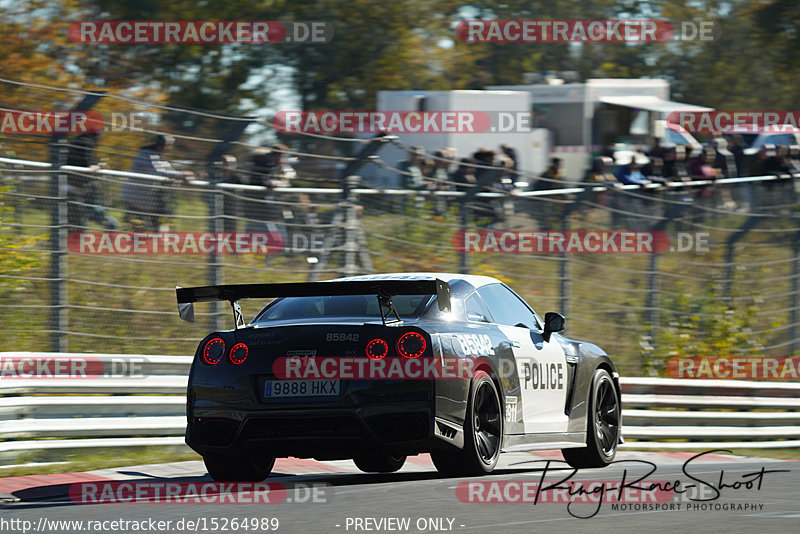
[83,196]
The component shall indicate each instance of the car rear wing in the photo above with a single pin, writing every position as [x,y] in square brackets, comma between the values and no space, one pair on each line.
[383,289]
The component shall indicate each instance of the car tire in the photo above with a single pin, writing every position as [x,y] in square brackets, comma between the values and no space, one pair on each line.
[226,468]
[602,425]
[379,463]
[483,433]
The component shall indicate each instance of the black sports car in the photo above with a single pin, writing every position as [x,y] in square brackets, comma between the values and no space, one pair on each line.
[380,367]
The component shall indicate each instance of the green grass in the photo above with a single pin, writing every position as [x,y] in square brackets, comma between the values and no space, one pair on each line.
[77,461]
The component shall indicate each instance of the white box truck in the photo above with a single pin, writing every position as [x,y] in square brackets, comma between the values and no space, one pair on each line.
[532,146]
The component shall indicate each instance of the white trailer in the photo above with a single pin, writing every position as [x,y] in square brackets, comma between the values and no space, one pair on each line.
[532,146]
[586,117]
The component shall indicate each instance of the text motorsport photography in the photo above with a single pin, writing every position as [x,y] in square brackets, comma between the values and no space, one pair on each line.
[637,489]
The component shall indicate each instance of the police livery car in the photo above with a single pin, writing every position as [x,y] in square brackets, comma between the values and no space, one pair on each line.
[380,367]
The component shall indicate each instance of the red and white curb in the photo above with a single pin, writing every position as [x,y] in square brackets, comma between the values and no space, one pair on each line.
[42,487]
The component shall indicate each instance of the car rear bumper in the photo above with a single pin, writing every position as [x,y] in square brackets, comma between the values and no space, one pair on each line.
[321,432]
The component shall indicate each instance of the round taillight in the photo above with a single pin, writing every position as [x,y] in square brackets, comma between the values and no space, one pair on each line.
[214,351]
[238,353]
[377,349]
[411,345]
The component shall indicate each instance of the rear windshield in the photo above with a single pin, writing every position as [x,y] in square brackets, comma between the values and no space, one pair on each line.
[366,306]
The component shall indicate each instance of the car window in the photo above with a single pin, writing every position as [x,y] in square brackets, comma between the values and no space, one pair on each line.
[506,307]
[474,308]
[775,139]
[675,138]
[407,306]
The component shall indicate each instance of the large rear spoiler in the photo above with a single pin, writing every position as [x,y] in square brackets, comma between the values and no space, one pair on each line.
[383,289]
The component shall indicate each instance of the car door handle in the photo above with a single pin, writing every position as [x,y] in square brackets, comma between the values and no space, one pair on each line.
[515,344]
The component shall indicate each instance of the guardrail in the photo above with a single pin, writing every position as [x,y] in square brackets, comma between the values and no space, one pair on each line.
[39,414]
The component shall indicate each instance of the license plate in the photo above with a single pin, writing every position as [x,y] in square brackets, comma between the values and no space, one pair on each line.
[275,389]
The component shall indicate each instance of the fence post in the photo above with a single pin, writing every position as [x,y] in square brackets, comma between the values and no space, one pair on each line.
[654,286]
[795,296]
[564,269]
[58,254]
[58,232]
[351,237]
[463,213]
[731,249]
[564,266]
[216,203]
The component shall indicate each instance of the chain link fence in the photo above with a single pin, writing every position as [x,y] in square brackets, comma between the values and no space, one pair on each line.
[723,283]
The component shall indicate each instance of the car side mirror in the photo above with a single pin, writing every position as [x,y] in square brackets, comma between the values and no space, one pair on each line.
[553,322]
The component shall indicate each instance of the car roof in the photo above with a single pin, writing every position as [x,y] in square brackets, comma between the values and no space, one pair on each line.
[474,280]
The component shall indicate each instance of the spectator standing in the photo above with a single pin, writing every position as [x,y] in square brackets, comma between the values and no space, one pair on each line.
[629,173]
[794,159]
[487,174]
[725,161]
[674,170]
[552,175]
[510,153]
[262,210]
[702,168]
[464,177]
[411,169]
[439,181]
[147,200]
[656,151]
[228,174]
[736,147]
[769,162]
[546,213]
[83,197]
[599,174]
